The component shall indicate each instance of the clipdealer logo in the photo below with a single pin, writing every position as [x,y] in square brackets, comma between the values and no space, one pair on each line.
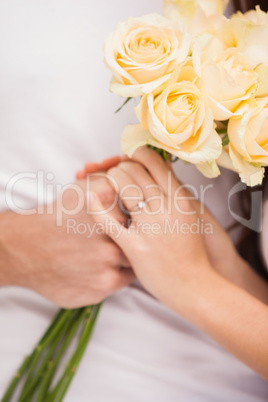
[44,191]
[145,228]
[254,221]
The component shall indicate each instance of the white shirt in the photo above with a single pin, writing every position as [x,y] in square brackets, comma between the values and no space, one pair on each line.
[56,113]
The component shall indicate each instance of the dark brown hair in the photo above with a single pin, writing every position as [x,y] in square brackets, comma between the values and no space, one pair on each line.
[249,245]
[250,4]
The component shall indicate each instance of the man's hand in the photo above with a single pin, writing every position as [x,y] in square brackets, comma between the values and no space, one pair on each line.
[71,265]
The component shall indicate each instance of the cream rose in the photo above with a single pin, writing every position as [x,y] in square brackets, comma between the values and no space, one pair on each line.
[178,121]
[143,52]
[257,16]
[249,32]
[262,90]
[248,147]
[185,9]
[227,82]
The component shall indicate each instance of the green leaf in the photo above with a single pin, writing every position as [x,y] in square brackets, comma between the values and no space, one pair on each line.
[222,131]
[225,140]
[164,154]
[121,107]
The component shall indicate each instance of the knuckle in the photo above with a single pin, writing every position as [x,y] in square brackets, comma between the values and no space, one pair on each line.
[129,166]
[106,193]
[100,186]
[113,254]
[109,281]
[108,196]
[124,165]
[113,171]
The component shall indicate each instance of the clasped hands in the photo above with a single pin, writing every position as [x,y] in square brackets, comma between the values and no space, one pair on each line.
[75,270]
[167,261]
[146,235]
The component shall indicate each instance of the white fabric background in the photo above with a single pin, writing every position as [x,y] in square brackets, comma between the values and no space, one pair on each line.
[56,113]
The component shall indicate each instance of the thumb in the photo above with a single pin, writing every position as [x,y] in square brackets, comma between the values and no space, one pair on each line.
[111,226]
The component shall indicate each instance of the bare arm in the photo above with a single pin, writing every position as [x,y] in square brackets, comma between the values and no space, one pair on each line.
[233,318]
[179,268]
[226,261]
[7,222]
[221,251]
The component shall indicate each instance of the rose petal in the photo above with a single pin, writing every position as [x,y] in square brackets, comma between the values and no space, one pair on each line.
[209,169]
[249,174]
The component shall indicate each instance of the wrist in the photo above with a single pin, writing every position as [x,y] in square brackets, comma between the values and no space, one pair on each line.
[226,266]
[197,294]
[5,264]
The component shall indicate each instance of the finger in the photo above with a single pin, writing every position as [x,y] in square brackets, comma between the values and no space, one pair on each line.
[124,278]
[158,169]
[129,191]
[124,263]
[89,168]
[92,167]
[80,175]
[153,193]
[107,164]
[117,258]
[104,165]
[103,187]
[109,199]
[117,232]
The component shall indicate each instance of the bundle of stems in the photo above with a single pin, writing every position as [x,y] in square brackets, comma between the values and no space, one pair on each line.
[37,372]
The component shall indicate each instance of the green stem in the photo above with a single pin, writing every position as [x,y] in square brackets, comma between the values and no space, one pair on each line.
[40,368]
[58,324]
[60,390]
[15,381]
[39,374]
[52,325]
[26,363]
[53,364]
[121,107]
[50,335]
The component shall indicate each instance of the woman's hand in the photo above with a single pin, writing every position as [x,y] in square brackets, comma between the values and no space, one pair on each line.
[176,267]
[221,252]
[165,259]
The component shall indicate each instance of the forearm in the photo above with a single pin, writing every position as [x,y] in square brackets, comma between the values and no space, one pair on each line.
[225,260]
[233,318]
[7,223]
[241,274]
[13,228]
[4,263]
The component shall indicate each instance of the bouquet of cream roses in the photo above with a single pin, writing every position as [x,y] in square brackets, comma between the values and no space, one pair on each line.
[203,83]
